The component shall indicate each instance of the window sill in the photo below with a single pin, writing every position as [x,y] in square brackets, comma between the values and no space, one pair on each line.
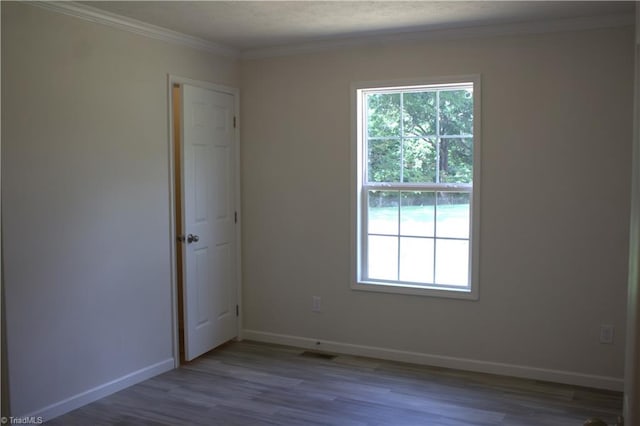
[417,290]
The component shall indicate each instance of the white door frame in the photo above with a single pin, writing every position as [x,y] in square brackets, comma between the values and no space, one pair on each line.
[171,80]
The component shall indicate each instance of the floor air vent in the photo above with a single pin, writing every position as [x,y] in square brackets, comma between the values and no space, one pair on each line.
[319,355]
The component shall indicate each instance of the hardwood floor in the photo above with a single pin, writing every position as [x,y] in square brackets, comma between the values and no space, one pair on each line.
[249,383]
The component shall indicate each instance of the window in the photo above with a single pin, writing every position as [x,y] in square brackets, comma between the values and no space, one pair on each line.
[416,149]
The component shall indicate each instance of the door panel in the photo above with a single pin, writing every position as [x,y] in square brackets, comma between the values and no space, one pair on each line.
[223,295]
[209,206]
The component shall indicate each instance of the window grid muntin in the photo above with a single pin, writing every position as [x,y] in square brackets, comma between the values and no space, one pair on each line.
[399,235]
[437,161]
[401,122]
[437,88]
[368,185]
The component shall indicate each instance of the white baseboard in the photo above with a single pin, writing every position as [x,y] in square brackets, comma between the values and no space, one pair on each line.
[513,370]
[77,401]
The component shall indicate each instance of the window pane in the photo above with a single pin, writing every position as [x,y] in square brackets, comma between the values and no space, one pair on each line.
[383,115]
[419,157]
[417,214]
[452,215]
[456,112]
[416,260]
[452,262]
[384,160]
[456,160]
[419,114]
[383,212]
[383,258]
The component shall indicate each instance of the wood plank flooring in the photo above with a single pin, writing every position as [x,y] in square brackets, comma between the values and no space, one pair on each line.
[249,383]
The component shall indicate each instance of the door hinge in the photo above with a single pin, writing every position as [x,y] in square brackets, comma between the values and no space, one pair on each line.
[237,311]
[234,121]
[235,217]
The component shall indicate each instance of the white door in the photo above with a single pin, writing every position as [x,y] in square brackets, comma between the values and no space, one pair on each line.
[209,249]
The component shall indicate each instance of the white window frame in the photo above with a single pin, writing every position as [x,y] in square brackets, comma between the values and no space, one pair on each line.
[358,198]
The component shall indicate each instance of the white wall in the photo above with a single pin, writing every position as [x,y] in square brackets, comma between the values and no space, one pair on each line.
[557,127]
[86,203]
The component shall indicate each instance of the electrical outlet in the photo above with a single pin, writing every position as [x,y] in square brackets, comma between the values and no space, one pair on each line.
[315,307]
[606,334]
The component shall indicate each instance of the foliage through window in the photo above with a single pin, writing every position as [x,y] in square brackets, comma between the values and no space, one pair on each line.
[416,148]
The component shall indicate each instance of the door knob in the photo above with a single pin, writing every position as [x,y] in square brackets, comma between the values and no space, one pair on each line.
[192,238]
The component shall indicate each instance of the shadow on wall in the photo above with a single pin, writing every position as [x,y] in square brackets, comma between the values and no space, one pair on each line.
[4,392]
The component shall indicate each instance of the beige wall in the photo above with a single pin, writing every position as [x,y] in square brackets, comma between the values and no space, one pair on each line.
[85,201]
[632,366]
[557,124]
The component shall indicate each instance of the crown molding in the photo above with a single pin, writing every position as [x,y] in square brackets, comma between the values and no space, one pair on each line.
[485,31]
[93,14]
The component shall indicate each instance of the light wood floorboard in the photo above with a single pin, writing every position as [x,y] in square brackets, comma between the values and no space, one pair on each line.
[249,383]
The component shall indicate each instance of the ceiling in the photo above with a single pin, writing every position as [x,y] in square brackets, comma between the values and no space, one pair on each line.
[251,25]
